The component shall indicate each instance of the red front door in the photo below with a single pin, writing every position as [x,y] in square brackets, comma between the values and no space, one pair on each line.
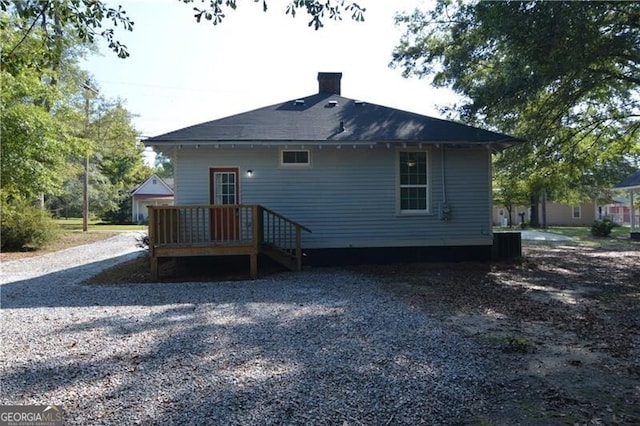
[225,223]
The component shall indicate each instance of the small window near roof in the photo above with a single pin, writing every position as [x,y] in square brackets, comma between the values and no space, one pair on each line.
[295,158]
[155,181]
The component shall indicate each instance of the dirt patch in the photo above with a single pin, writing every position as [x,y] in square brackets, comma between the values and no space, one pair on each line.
[563,324]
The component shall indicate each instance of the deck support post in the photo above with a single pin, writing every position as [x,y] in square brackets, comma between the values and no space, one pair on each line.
[154,269]
[151,234]
[298,249]
[253,271]
[256,213]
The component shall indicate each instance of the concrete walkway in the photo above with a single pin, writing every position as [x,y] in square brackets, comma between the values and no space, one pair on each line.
[532,235]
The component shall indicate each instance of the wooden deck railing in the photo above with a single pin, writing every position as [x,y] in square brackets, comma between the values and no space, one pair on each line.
[282,236]
[211,230]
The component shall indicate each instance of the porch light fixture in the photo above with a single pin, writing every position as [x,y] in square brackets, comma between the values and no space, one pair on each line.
[249,173]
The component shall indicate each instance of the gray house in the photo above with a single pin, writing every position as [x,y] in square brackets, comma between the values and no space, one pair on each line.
[358,181]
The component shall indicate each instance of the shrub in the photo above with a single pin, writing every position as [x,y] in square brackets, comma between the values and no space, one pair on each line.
[143,241]
[24,226]
[602,228]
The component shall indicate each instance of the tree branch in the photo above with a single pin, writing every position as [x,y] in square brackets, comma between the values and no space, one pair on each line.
[24,37]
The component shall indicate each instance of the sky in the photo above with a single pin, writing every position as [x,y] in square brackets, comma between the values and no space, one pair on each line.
[182,73]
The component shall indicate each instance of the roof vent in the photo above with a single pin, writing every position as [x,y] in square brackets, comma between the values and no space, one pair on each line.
[298,102]
[331,104]
[359,103]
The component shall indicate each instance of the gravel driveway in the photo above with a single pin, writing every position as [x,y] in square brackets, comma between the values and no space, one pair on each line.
[326,346]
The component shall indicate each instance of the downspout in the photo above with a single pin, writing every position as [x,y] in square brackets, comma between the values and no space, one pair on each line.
[445,210]
[444,188]
[632,211]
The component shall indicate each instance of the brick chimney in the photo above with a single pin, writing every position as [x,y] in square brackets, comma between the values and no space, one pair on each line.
[329,82]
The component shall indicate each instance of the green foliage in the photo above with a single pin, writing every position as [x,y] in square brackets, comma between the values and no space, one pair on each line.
[116,166]
[24,226]
[509,191]
[567,81]
[81,20]
[316,9]
[602,228]
[119,160]
[33,151]
[51,124]
[35,140]
[164,167]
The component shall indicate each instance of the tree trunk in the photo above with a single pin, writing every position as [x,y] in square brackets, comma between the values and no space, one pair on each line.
[535,220]
[544,208]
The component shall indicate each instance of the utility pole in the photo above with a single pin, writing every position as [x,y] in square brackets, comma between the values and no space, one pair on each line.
[85,187]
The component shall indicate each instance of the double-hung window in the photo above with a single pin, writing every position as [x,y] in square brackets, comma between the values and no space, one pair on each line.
[413,182]
[576,212]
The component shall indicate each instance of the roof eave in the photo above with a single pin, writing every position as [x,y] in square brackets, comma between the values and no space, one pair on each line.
[626,188]
[495,145]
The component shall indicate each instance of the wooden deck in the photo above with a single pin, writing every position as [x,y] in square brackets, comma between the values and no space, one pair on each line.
[228,230]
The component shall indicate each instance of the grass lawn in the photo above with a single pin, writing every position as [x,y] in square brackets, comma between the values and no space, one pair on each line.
[75,225]
[618,232]
[581,235]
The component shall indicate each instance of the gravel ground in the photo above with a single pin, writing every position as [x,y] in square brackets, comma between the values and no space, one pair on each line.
[326,346]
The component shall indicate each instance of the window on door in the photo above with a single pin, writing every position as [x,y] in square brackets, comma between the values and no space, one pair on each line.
[225,189]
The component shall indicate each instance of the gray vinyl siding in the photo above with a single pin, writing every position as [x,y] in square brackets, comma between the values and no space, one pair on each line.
[348,196]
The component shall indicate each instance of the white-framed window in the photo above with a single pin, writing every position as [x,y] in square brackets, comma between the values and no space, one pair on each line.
[295,157]
[225,187]
[576,212]
[413,182]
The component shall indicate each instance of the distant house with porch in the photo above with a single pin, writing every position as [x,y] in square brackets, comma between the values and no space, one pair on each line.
[154,191]
[619,210]
[631,186]
[558,214]
[339,179]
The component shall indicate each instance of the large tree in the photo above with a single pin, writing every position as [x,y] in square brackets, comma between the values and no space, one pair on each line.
[119,158]
[62,21]
[563,75]
[50,123]
[116,164]
[37,134]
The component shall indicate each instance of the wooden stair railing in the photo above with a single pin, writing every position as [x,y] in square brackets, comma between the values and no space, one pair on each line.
[205,230]
[281,238]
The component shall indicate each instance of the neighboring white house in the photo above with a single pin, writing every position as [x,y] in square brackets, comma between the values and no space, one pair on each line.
[631,185]
[153,192]
[369,181]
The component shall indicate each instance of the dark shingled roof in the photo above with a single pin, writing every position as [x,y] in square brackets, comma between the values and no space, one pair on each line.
[631,181]
[331,118]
